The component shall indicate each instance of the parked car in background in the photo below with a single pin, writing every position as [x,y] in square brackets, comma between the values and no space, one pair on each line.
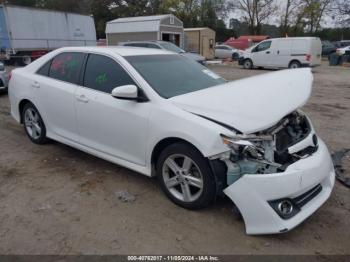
[226,51]
[328,48]
[161,114]
[166,46]
[291,52]
[343,51]
[341,44]
[3,78]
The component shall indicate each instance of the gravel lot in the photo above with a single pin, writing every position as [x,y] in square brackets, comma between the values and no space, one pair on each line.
[57,200]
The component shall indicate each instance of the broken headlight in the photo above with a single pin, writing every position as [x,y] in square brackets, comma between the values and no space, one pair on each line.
[249,147]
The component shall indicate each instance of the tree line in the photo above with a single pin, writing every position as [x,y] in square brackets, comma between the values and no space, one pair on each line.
[290,17]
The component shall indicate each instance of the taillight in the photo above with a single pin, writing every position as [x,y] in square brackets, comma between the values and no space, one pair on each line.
[308,57]
[10,75]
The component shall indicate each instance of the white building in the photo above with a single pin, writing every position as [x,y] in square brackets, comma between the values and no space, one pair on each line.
[142,28]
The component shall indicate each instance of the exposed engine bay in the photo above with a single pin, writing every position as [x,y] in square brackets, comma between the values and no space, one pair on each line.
[268,151]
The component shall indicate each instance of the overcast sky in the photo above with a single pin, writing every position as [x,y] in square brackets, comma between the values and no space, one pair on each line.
[327,21]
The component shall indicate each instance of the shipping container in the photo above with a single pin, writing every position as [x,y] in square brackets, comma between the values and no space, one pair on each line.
[27,33]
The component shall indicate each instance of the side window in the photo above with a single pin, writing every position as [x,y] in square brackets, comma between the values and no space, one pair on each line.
[66,67]
[153,46]
[104,74]
[143,45]
[44,70]
[136,45]
[263,46]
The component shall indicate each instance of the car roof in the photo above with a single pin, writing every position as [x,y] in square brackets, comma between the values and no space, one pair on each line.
[148,41]
[120,50]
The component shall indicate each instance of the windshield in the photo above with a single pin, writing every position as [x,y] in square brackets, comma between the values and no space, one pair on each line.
[174,75]
[172,47]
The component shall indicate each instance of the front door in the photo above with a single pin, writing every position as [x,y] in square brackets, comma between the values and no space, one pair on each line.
[261,54]
[112,126]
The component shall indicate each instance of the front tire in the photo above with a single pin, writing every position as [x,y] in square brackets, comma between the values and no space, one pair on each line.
[186,177]
[34,125]
[248,64]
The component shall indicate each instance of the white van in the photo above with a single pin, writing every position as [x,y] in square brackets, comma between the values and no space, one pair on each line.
[291,52]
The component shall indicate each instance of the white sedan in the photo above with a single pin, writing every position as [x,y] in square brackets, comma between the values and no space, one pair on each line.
[226,51]
[162,114]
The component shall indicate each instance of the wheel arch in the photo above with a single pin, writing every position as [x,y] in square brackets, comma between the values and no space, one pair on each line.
[294,60]
[21,107]
[218,167]
[162,144]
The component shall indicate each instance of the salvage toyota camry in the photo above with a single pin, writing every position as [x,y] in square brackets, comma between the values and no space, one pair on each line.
[163,115]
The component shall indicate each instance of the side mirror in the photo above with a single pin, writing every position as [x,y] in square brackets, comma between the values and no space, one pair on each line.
[127,92]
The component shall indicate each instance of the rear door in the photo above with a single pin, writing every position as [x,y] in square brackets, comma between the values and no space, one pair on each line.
[300,50]
[219,50]
[224,52]
[112,126]
[315,52]
[56,84]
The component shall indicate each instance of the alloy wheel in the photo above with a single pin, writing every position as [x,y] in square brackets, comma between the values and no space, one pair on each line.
[32,123]
[183,178]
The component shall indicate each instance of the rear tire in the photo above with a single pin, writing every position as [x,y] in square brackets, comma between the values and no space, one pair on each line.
[186,177]
[248,64]
[33,124]
[294,65]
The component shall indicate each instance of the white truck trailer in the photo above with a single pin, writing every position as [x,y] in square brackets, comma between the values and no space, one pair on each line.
[28,33]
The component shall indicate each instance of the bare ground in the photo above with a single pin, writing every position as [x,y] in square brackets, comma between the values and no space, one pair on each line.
[57,200]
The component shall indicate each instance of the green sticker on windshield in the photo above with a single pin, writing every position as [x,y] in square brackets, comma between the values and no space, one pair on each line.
[101,79]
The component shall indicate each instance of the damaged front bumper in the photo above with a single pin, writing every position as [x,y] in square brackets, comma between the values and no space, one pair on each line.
[310,180]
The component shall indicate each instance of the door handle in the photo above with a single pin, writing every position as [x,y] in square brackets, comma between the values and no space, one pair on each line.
[36,85]
[278,52]
[82,98]
[267,52]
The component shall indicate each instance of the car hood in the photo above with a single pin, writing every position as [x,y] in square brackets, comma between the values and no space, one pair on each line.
[194,56]
[252,104]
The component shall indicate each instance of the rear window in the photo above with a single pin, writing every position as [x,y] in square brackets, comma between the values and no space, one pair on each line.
[44,70]
[66,67]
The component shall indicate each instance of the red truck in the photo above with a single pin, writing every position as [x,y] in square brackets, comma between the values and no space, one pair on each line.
[245,41]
